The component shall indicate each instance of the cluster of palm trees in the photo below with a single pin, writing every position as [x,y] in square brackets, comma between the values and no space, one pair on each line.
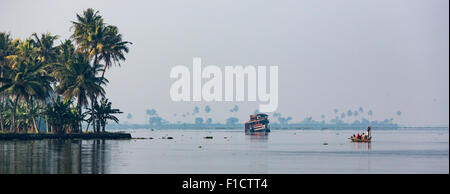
[48,85]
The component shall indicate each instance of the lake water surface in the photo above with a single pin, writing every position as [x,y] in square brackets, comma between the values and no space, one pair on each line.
[424,150]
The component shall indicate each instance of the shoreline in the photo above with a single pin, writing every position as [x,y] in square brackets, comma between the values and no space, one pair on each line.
[41,136]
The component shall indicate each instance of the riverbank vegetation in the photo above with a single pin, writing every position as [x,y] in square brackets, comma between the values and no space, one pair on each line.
[58,88]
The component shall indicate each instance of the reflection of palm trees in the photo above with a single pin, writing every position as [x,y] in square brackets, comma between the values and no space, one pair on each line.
[80,156]
[97,157]
[55,156]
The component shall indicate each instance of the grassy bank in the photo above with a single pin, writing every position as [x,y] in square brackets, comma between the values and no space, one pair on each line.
[39,136]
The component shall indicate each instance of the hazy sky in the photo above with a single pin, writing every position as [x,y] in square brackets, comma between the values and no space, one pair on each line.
[384,55]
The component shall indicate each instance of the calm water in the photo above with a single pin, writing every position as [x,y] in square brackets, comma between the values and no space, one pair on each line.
[231,151]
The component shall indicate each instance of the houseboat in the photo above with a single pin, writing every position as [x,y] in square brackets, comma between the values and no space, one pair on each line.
[258,124]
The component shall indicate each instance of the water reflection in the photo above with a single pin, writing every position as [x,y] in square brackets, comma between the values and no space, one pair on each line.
[54,156]
[257,137]
[362,145]
[258,159]
[366,164]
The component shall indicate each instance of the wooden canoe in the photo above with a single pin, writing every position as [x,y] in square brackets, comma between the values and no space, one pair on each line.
[360,140]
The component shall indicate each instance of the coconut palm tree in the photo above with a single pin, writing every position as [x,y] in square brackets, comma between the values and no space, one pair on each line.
[7,48]
[77,79]
[66,50]
[6,112]
[113,48]
[99,41]
[43,45]
[30,69]
[61,117]
[87,29]
[32,112]
[104,112]
[88,33]
[27,79]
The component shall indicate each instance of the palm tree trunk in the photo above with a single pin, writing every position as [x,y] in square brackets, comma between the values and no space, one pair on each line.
[36,130]
[2,126]
[103,73]
[39,121]
[103,126]
[93,115]
[46,125]
[40,118]
[98,126]
[31,103]
[80,130]
[13,123]
[87,127]
[27,110]
[95,123]
[103,76]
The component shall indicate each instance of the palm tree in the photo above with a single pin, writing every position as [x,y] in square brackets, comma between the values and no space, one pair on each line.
[27,78]
[113,48]
[33,111]
[7,48]
[61,116]
[66,50]
[88,32]
[77,79]
[30,69]
[99,41]
[6,112]
[87,29]
[104,112]
[44,47]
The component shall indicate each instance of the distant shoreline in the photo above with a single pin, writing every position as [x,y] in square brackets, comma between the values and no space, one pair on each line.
[240,128]
[311,125]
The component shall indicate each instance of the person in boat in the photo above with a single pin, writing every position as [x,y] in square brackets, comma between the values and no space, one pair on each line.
[363,136]
[357,135]
[368,131]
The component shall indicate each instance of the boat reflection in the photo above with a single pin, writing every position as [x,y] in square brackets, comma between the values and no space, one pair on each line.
[258,147]
[362,145]
[257,136]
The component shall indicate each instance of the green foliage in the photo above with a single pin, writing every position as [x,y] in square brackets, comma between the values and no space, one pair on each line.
[103,112]
[62,117]
[41,80]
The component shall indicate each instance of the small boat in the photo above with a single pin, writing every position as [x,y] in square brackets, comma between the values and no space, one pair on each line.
[354,139]
[367,138]
[258,124]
